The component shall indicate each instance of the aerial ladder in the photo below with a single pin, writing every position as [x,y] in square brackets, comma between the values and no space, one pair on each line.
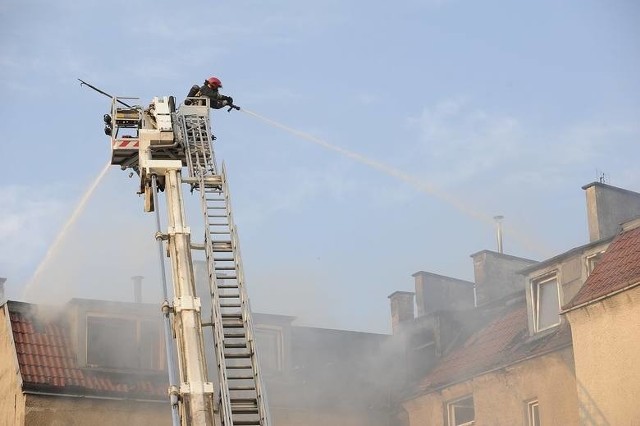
[158,143]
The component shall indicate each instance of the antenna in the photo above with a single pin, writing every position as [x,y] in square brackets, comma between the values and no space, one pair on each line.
[602,176]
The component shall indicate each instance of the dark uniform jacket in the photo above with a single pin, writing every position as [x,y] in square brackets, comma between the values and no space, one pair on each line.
[216,100]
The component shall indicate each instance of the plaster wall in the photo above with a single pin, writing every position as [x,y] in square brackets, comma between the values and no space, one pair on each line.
[501,397]
[69,411]
[606,347]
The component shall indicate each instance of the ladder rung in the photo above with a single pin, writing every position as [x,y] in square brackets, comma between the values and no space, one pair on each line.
[230,305]
[232,335]
[244,410]
[242,388]
[247,377]
[244,401]
[235,345]
[228,296]
[240,355]
[238,367]
[226,277]
[233,325]
[246,422]
[222,246]
[225,268]
[232,315]
[219,232]
[227,286]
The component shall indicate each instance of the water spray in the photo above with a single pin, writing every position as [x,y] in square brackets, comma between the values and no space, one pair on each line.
[417,183]
[63,232]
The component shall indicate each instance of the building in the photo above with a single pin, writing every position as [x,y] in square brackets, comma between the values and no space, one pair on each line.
[99,363]
[104,363]
[514,356]
[528,342]
[605,324]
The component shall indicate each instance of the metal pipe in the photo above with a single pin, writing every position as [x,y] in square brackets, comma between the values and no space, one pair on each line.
[168,335]
[498,220]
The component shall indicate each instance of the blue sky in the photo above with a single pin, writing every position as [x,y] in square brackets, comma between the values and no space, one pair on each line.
[497,106]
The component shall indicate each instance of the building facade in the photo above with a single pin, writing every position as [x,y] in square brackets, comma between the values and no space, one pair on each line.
[104,363]
[545,343]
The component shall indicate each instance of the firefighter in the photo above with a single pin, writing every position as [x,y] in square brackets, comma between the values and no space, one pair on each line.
[210,90]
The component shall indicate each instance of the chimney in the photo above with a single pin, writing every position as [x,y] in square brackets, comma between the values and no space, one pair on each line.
[607,208]
[137,288]
[401,309]
[497,275]
[436,292]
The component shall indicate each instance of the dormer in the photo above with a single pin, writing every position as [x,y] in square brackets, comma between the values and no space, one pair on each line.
[553,282]
[117,336]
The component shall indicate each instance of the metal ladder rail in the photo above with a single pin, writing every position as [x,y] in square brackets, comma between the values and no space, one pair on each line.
[196,132]
[201,166]
[240,396]
[246,308]
[239,393]
[216,314]
[238,409]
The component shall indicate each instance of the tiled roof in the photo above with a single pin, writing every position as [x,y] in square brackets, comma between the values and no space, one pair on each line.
[618,268]
[48,363]
[503,342]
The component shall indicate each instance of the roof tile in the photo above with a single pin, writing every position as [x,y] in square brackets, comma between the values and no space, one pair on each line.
[46,359]
[618,268]
[503,342]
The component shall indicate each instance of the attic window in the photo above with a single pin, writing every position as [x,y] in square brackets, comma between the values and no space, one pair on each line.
[124,343]
[461,412]
[546,303]
[592,261]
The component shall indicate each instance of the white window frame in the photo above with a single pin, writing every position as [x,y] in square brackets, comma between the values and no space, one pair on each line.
[533,412]
[535,299]
[451,415]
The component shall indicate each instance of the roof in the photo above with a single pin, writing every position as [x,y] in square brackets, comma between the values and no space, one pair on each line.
[48,363]
[619,268]
[503,342]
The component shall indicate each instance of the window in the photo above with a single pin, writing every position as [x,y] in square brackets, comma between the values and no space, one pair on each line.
[592,261]
[546,303]
[270,348]
[460,412]
[124,343]
[533,413]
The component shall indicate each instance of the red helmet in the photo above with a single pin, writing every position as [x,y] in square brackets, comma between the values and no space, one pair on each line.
[214,81]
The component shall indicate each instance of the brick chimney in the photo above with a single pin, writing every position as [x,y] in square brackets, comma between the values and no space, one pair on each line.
[607,208]
[401,309]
